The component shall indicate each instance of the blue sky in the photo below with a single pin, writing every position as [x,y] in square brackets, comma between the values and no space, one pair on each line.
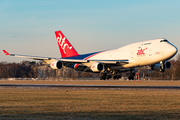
[27,27]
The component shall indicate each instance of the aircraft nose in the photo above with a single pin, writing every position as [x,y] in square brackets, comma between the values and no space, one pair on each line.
[172,50]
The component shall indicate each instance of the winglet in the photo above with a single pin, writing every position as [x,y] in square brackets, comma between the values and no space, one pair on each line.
[5,52]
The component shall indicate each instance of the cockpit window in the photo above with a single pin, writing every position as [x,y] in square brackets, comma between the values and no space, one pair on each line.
[164,41]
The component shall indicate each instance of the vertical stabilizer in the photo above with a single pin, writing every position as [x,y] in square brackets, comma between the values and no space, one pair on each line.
[65,47]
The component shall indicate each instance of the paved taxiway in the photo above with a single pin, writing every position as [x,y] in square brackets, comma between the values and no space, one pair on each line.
[91,86]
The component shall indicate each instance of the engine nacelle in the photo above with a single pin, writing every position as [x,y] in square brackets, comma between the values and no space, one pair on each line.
[97,67]
[56,65]
[159,67]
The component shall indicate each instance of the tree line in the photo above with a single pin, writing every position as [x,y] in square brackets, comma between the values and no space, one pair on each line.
[32,69]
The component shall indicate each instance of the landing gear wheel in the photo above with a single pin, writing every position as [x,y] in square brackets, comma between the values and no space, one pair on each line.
[119,76]
[114,77]
[131,77]
[103,77]
[109,76]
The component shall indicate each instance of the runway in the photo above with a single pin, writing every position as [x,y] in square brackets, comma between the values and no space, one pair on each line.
[91,86]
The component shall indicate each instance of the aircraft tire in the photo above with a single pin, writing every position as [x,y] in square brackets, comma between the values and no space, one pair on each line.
[119,76]
[109,76]
[114,77]
[104,77]
[131,77]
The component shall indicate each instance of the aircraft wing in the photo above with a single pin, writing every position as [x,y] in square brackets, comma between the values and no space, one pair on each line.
[48,60]
[27,56]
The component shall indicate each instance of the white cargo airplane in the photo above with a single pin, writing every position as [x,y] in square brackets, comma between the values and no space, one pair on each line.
[111,63]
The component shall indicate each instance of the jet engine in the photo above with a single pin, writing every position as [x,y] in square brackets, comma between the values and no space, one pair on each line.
[97,67]
[161,66]
[56,65]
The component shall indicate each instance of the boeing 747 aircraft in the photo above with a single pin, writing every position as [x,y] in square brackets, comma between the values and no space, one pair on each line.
[111,63]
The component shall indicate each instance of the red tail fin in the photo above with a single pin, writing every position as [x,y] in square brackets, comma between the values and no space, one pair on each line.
[65,47]
[5,52]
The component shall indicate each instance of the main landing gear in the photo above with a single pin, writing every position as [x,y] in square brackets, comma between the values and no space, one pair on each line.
[132,74]
[131,77]
[105,76]
[108,75]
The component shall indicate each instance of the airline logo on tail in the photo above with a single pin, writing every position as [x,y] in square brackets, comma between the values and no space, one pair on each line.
[65,47]
[62,44]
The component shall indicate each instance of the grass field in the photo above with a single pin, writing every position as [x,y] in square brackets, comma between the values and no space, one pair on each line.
[87,104]
[38,103]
